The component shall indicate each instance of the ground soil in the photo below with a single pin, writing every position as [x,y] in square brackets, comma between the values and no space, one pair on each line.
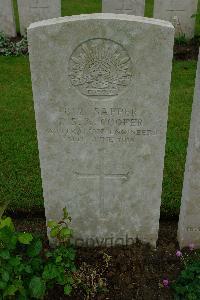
[16,39]
[187,51]
[134,272]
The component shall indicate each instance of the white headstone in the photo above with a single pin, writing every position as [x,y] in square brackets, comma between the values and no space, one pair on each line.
[7,19]
[129,7]
[35,10]
[189,220]
[101,88]
[179,13]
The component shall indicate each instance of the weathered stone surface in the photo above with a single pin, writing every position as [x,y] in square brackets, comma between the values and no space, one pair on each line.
[129,7]
[179,12]
[7,20]
[35,10]
[189,220]
[101,87]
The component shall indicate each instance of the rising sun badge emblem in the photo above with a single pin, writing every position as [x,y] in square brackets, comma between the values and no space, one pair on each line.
[100,68]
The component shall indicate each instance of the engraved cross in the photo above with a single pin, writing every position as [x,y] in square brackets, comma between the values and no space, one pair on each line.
[101,176]
[175,10]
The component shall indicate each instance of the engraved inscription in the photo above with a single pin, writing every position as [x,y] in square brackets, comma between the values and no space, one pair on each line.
[100,68]
[39,4]
[102,125]
[175,10]
[101,176]
[127,6]
[193,229]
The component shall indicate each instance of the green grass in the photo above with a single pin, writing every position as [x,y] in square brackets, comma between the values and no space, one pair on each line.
[181,98]
[197,29]
[149,8]
[16,15]
[20,172]
[76,7]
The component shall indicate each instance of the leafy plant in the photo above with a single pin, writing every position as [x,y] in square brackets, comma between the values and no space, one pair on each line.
[19,263]
[88,279]
[187,285]
[60,266]
[13,48]
[27,271]
[61,230]
[3,206]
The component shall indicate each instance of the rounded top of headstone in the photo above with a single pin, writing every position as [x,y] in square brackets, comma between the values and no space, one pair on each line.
[101,16]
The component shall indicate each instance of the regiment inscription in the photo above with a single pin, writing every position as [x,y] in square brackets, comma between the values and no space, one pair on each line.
[104,125]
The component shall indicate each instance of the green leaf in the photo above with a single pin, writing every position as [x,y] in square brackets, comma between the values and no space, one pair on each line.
[34,248]
[13,242]
[52,224]
[25,238]
[71,254]
[48,254]
[28,269]
[65,213]
[58,259]
[69,279]
[65,233]
[20,268]
[36,264]
[37,287]
[5,254]
[7,222]
[2,285]
[11,290]
[60,279]
[15,261]
[5,276]
[23,296]
[50,272]
[67,289]
[54,231]
[6,235]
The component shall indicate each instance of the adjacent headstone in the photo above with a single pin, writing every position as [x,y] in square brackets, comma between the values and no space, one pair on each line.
[179,12]
[35,10]
[7,19]
[189,220]
[129,7]
[101,87]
